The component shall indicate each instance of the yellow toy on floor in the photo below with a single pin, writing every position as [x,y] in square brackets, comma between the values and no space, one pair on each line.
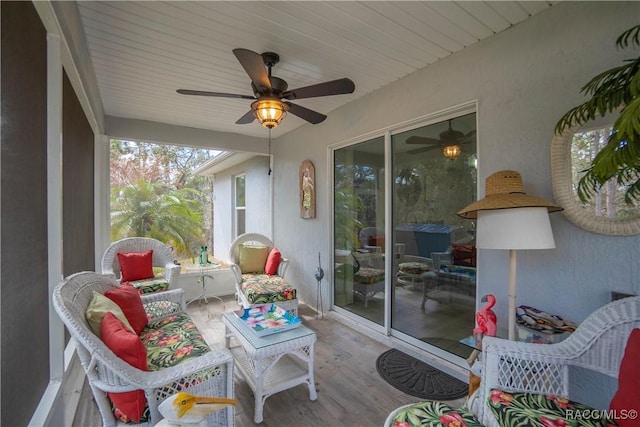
[184,409]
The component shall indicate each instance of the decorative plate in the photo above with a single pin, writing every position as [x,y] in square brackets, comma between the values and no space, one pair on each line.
[267,319]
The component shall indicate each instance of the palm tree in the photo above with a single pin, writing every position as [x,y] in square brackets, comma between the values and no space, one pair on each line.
[151,210]
[612,90]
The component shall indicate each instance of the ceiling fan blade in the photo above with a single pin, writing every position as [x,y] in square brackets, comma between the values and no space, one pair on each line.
[470,137]
[415,139]
[253,64]
[249,117]
[311,116]
[334,87]
[423,149]
[218,94]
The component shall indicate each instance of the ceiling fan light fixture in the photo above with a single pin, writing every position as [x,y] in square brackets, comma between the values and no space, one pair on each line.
[269,111]
[451,152]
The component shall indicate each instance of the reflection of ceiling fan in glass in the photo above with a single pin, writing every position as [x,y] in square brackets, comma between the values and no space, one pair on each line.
[449,142]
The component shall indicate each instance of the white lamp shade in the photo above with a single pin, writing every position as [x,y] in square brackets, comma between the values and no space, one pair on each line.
[515,228]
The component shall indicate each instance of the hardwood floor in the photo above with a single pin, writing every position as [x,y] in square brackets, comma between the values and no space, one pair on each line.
[350,391]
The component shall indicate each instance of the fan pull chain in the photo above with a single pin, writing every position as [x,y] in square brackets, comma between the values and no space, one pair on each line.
[269,173]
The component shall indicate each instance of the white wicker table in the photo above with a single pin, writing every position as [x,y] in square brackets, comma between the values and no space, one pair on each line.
[272,363]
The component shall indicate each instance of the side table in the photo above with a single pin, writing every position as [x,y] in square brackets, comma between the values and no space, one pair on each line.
[203,275]
[272,363]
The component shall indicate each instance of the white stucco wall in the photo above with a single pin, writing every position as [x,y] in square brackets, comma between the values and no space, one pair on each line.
[524,80]
[258,203]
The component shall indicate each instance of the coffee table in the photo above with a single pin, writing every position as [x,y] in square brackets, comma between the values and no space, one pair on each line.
[272,363]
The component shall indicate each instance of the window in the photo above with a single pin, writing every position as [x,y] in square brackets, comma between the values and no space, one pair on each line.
[606,212]
[240,204]
[608,202]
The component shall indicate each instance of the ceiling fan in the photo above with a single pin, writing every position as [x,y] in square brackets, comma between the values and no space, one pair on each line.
[271,94]
[448,138]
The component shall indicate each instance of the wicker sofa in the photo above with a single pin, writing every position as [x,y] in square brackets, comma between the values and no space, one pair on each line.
[178,358]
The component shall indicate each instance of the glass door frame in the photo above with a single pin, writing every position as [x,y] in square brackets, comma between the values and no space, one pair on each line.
[387,132]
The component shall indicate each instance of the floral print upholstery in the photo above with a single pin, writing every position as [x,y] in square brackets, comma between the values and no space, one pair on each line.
[368,275]
[158,309]
[262,288]
[434,414]
[154,284]
[539,410]
[173,340]
[414,267]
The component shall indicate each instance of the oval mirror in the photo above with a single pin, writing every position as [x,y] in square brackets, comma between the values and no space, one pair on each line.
[606,212]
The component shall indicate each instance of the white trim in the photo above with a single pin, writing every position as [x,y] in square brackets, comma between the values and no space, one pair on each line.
[54,199]
[425,120]
[101,203]
[329,223]
[388,230]
[46,407]
[222,162]
[42,414]
[398,338]
[89,98]
[59,403]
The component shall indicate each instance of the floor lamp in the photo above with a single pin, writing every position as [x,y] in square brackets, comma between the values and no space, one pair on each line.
[510,219]
[514,229]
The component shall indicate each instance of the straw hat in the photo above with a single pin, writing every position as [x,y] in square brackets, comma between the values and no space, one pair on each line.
[504,191]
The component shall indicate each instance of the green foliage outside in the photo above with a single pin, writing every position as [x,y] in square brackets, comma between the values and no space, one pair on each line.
[617,89]
[609,201]
[348,208]
[154,193]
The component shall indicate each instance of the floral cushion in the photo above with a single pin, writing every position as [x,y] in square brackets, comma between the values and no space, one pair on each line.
[414,267]
[538,410]
[169,342]
[148,286]
[368,275]
[262,288]
[172,340]
[434,414]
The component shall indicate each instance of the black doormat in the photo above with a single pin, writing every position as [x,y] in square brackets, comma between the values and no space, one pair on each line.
[417,378]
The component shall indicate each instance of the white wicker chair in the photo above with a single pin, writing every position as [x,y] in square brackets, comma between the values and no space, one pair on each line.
[257,239]
[106,372]
[162,257]
[597,344]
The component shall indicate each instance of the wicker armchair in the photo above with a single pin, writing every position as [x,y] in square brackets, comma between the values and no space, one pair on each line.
[162,258]
[208,375]
[598,344]
[531,381]
[245,298]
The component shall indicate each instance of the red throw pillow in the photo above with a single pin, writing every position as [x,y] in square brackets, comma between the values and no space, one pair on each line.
[627,399]
[127,346]
[273,261]
[136,265]
[128,299]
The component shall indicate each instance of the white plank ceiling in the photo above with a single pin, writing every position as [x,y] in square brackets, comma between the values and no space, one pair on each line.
[143,51]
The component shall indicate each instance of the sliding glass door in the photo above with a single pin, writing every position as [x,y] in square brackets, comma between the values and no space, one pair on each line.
[407,262]
[434,176]
[359,227]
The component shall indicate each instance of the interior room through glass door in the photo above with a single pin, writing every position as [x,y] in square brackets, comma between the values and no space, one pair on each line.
[434,268]
[359,224]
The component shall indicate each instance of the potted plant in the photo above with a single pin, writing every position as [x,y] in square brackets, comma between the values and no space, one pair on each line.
[613,90]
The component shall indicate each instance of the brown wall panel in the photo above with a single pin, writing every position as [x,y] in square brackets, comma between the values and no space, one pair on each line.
[78,177]
[24,289]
